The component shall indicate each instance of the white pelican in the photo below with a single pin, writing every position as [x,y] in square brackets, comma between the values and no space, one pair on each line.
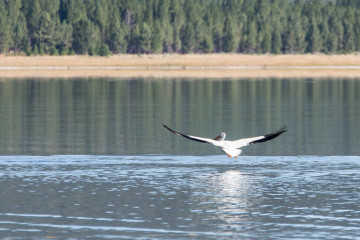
[232,148]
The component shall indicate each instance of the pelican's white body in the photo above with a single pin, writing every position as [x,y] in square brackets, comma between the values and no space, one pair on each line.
[231,148]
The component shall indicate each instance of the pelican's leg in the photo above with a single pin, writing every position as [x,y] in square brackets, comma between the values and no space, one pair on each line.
[236,157]
[229,155]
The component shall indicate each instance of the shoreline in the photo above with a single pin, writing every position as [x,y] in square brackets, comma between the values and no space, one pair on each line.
[182,66]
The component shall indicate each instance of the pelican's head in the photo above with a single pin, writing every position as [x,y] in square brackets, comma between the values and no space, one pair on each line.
[221,137]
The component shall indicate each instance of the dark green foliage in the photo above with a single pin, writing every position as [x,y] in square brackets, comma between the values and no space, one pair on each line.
[250,42]
[64,37]
[117,33]
[187,34]
[28,51]
[44,35]
[313,37]
[186,26]
[83,36]
[349,38]
[229,44]
[54,51]
[35,50]
[91,51]
[4,28]
[207,45]
[145,38]
[276,42]
[156,41]
[20,34]
[41,52]
[64,52]
[104,50]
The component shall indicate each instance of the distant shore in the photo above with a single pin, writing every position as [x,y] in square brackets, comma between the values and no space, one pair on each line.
[177,66]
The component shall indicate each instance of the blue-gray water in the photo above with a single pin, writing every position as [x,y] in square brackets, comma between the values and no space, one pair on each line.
[180,197]
[89,158]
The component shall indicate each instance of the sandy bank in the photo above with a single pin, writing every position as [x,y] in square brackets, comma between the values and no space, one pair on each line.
[170,66]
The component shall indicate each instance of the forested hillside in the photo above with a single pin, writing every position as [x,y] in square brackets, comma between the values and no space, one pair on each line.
[182,26]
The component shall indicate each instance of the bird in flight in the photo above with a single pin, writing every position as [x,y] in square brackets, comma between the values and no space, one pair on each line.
[232,148]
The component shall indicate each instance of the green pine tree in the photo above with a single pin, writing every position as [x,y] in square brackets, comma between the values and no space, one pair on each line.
[276,44]
[83,37]
[187,38]
[266,43]
[44,35]
[349,38]
[145,38]
[20,34]
[313,37]
[156,41]
[64,37]
[229,43]
[207,45]
[4,29]
[117,33]
[250,42]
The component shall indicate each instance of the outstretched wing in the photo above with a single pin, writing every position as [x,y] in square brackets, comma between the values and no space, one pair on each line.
[198,139]
[247,141]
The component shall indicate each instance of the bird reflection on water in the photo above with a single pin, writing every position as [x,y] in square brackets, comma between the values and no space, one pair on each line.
[180,196]
[232,196]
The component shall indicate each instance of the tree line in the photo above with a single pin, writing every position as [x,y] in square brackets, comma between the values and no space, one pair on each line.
[103,27]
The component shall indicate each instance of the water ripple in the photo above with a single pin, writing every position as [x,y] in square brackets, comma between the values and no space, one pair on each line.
[179,197]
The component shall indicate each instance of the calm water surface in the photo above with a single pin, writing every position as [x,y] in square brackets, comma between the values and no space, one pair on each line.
[89,158]
[109,117]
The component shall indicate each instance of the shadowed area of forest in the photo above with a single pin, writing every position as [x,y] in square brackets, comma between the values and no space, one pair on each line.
[62,27]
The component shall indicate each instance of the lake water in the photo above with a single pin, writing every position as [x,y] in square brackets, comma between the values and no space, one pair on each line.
[89,158]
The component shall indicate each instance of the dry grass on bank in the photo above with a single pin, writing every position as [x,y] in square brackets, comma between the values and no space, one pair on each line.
[216,66]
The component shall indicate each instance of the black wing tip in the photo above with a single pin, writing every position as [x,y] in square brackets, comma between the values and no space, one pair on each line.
[184,135]
[283,128]
[272,135]
[166,127]
[173,131]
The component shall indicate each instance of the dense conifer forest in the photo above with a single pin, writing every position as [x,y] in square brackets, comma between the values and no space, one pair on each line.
[103,27]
